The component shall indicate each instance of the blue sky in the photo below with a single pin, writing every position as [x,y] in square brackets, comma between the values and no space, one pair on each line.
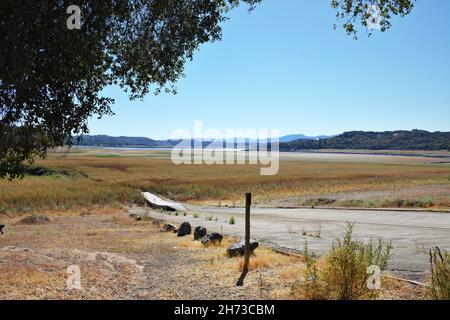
[284,67]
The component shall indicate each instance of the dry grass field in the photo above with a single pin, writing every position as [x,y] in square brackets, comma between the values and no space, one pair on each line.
[93,178]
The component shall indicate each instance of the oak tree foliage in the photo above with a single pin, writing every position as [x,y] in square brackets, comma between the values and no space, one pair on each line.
[353,13]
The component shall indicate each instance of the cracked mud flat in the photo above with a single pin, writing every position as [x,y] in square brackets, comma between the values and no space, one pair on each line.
[120,258]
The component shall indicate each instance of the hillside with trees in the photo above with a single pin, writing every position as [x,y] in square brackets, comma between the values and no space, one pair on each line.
[107,141]
[387,140]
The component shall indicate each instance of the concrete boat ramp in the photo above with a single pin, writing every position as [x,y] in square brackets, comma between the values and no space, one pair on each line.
[159,203]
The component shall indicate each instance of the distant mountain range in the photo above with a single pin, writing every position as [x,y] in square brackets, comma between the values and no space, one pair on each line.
[143,142]
[386,140]
[294,137]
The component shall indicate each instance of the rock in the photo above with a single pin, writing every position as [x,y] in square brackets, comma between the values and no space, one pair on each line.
[168,227]
[199,233]
[185,229]
[212,239]
[1,228]
[238,249]
[35,220]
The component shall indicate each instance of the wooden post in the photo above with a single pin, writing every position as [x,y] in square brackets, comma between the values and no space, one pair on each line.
[248,203]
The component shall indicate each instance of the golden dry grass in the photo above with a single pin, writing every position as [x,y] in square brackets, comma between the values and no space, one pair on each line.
[266,258]
[97,180]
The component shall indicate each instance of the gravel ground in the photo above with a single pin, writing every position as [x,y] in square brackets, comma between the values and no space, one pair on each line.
[120,258]
[123,259]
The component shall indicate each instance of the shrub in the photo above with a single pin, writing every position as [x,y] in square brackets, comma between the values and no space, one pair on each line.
[348,262]
[344,275]
[313,287]
[440,275]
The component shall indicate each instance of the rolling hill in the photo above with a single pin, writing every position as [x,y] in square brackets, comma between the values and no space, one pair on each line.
[387,140]
[108,141]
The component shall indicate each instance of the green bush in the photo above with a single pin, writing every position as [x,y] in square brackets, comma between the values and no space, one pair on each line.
[440,275]
[348,262]
[344,275]
[313,287]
